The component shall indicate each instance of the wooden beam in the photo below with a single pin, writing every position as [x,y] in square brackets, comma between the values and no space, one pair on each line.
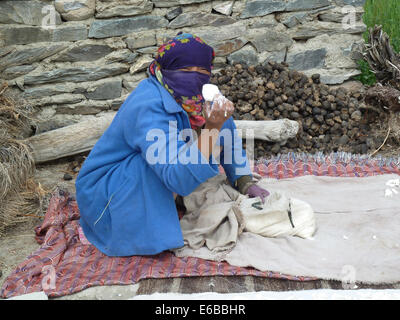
[81,137]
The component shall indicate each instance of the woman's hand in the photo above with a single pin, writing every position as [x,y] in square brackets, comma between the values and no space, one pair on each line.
[216,115]
[256,191]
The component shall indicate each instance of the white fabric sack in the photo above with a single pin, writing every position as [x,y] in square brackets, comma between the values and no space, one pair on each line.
[279,216]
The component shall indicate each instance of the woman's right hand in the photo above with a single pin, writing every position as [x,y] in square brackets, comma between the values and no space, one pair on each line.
[215,116]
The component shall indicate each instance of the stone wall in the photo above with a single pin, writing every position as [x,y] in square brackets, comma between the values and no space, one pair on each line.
[73,59]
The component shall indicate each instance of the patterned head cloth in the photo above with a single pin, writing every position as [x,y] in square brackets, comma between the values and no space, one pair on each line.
[185,50]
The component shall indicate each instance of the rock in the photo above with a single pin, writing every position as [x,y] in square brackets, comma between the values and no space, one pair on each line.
[291,20]
[63,98]
[86,107]
[27,12]
[316,28]
[107,90]
[262,8]
[123,26]
[123,56]
[214,35]
[337,76]
[247,116]
[75,10]
[316,77]
[173,3]
[140,40]
[16,71]
[148,50]
[267,21]
[256,8]
[11,35]
[269,40]
[356,115]
[246,55]
[224,7]
[197,19]
[309,59]
[344,140]
[295,115]
[130,82]
[276,148]
[76,74]
[228,46]
[336,14]
[298,5]
[84,52]
[47,90]
[173,13]
[31,53]
[364,148]
[67,177]
[351,2]
[121,8]
[277,56]
[141,64]
[71,32]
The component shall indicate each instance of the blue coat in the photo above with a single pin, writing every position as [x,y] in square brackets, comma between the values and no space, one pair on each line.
[125,198]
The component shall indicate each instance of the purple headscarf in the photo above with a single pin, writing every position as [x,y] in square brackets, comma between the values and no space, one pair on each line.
[185,50]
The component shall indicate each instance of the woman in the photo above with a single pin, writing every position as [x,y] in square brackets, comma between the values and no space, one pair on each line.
[126,199]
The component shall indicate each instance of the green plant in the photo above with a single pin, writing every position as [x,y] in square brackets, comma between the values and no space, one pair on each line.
[366,77]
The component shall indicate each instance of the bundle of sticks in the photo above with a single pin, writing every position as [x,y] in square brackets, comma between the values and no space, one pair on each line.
[385,63]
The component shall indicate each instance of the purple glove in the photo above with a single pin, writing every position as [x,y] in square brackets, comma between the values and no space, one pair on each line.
[256,191]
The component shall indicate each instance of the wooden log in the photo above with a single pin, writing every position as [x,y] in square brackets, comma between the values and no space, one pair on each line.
[69,140]
[81,137]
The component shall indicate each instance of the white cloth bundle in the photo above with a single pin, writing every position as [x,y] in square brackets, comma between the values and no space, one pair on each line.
[279,216]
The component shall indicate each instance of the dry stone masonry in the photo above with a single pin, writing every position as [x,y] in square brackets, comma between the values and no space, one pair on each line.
[74,59]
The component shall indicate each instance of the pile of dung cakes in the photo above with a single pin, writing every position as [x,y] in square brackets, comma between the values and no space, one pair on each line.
[330,118]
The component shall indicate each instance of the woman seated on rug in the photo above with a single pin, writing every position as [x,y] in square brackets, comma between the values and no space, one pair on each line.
[125,192]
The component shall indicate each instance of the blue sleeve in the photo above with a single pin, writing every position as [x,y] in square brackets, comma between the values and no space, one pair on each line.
[153,133]
[233,157]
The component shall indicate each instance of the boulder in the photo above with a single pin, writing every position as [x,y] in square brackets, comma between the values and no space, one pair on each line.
[123,26]
[228,46]
[172,14]
[15,34]
[75,10]
[16,71]
[84,52]
[141,64]
[140,40]
[309,59]
[110,89]
[196,19]
[269,40]
[247,55]
[76,74]
[31,53]
[224,7]
[257,8]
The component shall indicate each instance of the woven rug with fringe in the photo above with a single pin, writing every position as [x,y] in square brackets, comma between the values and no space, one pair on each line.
[64,265]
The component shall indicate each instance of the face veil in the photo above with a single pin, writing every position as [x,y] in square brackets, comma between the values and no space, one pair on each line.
[185,50]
